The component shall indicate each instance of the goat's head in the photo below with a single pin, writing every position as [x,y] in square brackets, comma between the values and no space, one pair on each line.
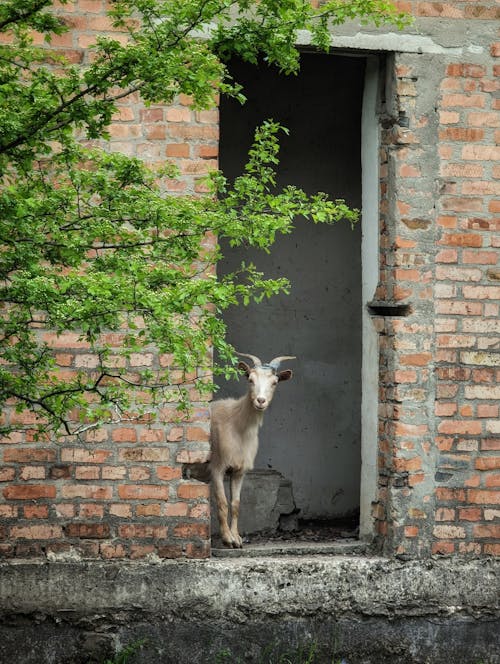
[263,378]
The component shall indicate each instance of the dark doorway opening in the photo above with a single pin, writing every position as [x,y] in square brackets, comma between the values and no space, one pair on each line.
[312,434]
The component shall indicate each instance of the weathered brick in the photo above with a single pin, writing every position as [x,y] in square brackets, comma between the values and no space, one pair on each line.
[87,530]
[29,492]
[142,492]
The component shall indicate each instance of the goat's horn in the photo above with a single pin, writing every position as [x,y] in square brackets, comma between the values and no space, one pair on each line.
[255,359]
[278,360]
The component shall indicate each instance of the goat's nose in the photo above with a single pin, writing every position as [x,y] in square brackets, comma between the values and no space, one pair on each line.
[261,400]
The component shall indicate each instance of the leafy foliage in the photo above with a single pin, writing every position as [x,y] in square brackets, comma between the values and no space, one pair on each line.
[91,244]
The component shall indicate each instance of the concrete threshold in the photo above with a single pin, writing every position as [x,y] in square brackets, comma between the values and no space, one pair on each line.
[289,548]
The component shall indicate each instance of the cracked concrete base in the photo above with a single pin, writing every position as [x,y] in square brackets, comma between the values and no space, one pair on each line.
[366,610]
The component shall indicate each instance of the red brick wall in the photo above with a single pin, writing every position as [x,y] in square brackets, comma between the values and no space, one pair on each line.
[440,198]
[121,494]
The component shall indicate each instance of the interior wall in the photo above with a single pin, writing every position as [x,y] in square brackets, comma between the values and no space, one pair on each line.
[312,432]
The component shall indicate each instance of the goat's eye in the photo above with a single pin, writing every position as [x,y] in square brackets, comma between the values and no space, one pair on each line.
[251,380]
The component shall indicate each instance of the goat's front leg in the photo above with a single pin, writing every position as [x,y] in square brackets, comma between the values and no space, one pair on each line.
[236,483]
[222,512]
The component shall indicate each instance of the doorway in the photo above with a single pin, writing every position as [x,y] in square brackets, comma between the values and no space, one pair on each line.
[312,433]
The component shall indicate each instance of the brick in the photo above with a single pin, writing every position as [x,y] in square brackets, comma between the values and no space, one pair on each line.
[110,551]
[193,490]
[193,456]
[142,492]
[462,204]
[122,510]
[481,358]
[151,115]
[29,492]
[194,433]
[459,308]
[149,509]
[469,514]
[461,134]
[139,473]
[91,511]
[471,427]
[488,410]
[445,514]
[449,532]
[87,530]
[481,292]
[81,455]
[492,549]
[178,114]
[416,359]
[36,512]
[7,474]
[142,531]
[60,472]
[492,481]
[124,435]
[445,409]
[456,341]
[483,497]
[37,532]
[176,509]
[152,436]
[447,256]
[462,170]
[94,492]
[144,454]
[490,532]
[480,257]
[462,240]
[481,152]
[87,473]
[167,473]
[407,465]
[463,100]
[443,548]
[481,187]
[402,377]
[189,530]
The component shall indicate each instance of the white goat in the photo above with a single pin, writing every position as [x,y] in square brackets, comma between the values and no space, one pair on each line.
[234,437]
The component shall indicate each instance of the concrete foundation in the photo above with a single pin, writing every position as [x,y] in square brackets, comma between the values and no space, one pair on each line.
[365,610]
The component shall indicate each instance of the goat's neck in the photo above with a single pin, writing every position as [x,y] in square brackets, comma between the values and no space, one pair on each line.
[247,416]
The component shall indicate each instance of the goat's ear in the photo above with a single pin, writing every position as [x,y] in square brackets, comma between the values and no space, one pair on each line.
[285,375]
[243,366]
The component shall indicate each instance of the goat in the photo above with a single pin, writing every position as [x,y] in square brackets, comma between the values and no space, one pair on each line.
[234,438]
